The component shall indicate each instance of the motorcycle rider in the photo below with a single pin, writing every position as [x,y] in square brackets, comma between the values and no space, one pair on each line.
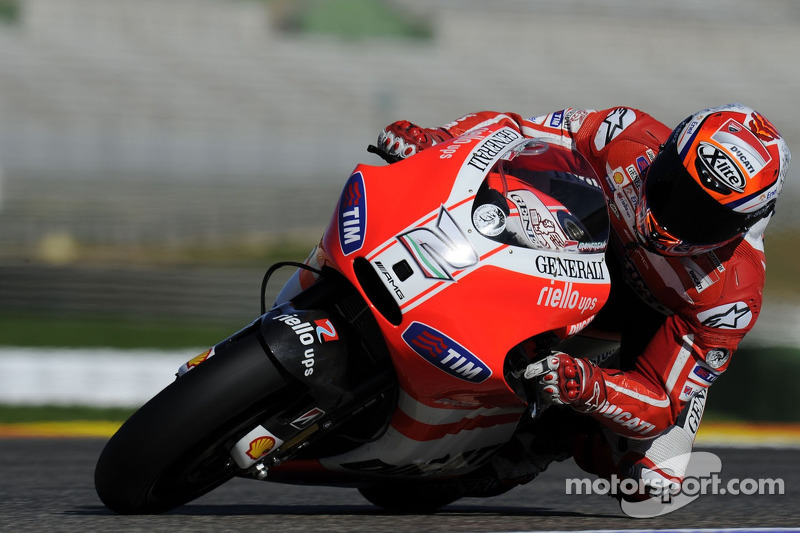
[688,209]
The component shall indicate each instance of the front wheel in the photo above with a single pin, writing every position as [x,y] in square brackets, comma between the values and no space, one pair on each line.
[175,448]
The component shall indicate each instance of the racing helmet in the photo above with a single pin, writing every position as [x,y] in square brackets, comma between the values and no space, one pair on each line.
[719,173]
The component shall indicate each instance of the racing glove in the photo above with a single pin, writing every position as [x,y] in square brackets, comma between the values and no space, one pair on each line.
[565,380]
[403,139]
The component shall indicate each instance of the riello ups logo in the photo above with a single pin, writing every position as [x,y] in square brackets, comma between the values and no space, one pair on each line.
[321,330]
[445,354]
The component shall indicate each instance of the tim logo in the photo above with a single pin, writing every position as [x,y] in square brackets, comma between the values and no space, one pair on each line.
[441,249]
[325,330]
[446,354]
[353,215]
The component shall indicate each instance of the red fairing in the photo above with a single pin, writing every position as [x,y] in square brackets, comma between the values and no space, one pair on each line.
[462,252]
[419,210]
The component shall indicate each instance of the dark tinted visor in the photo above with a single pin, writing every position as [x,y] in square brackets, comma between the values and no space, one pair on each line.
[681,206]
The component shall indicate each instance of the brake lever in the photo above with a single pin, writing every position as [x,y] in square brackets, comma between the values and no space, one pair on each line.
[383,155]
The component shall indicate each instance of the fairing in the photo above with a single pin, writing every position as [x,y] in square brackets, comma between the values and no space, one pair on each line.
[454,288]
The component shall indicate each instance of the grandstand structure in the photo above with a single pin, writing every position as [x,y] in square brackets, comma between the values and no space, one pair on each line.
[213,88]
[144,121]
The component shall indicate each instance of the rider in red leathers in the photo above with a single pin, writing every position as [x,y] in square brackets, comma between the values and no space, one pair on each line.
[688,209]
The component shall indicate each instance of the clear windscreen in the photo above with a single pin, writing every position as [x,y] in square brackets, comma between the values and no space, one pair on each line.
[543,196]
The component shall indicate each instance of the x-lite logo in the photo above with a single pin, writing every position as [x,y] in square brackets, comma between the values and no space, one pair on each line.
[722,167]
[440,250]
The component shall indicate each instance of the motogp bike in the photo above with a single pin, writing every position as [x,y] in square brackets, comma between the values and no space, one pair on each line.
[393,359]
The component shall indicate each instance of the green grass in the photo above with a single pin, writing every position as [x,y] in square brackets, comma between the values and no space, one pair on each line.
[351,19]
[9,11]
[741,392]
[783,256]
[91,331]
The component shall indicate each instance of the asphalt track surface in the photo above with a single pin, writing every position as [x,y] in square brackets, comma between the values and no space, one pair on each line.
[46,485]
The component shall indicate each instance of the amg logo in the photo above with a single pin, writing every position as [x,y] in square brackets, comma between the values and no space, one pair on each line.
[390,280]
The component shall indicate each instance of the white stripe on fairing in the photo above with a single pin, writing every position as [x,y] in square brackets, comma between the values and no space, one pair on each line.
[447,415]
[86,376]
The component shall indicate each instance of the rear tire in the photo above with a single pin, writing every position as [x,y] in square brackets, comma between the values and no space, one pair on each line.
[175,448]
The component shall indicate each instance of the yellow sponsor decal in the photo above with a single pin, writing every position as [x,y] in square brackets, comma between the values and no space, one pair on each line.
[194,361]
[260,447]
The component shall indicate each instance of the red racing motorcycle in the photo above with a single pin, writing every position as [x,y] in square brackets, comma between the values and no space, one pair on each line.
[392,359]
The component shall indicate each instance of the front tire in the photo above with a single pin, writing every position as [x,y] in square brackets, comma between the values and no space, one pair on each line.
[175,448]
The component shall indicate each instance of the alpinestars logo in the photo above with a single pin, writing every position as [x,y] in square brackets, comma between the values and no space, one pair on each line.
[730,316]
[614,124]
[445,354]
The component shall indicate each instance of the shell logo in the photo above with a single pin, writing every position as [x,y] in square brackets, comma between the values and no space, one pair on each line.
[260,447]
[194,361]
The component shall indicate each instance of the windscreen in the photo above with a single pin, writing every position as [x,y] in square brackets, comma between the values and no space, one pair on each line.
[543,196]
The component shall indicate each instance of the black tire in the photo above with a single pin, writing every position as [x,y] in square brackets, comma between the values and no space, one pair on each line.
[172,450]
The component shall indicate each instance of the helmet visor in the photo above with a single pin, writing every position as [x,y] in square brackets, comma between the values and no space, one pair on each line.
[680,205]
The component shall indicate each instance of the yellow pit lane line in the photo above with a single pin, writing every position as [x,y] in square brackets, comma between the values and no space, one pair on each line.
[748,434]
[76,428]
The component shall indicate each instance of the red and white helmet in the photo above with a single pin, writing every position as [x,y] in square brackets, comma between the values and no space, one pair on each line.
[719,173]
